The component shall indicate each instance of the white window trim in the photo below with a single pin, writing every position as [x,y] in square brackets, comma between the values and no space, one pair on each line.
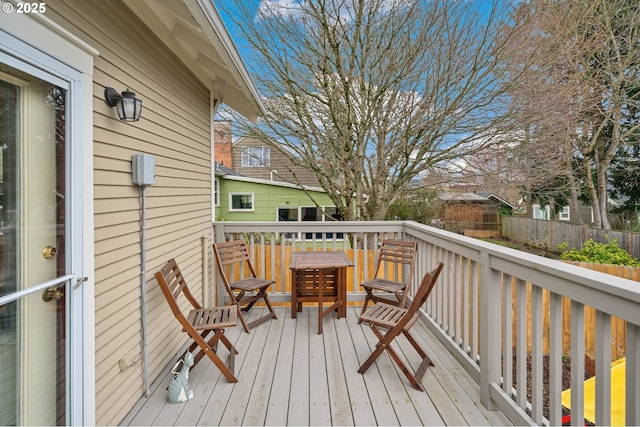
[565,214]
[216,192]
[244,156]
[546,211]
[252,209]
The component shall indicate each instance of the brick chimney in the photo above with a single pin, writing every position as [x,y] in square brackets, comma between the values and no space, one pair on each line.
[222,143]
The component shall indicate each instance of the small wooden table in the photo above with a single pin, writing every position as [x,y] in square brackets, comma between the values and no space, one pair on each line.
[319,277]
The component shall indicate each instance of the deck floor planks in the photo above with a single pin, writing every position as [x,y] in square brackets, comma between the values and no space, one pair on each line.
[299,410]
[256,412]
[468,390]
[216,406]
[319,406]
[277,411]
[301,378]
[147,409]
[361,409]
[339,396]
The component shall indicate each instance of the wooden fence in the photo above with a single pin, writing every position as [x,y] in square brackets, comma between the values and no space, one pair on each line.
[549,234]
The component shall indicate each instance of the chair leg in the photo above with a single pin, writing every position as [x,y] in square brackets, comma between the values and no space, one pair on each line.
[262,294]
[367,298]
[384,343]
[268,302]
[426,361]
[206,349]
[241,317]
[380,347]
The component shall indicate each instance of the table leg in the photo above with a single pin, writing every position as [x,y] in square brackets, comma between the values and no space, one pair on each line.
[320,295]
[294,293]
[342,291]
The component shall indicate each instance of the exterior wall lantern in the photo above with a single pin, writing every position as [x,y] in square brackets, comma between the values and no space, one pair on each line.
[128,106]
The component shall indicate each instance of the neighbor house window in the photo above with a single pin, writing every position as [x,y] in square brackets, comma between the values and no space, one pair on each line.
[308,213]
[256,156]
[564,214]
[541,213]
[240,202]
[216,192]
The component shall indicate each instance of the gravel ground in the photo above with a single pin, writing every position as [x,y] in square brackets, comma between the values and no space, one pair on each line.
[566,379]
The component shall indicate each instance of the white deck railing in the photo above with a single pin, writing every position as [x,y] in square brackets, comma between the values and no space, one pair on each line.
[493,308]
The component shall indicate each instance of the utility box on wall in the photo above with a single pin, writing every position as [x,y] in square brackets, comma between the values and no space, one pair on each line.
[143,169]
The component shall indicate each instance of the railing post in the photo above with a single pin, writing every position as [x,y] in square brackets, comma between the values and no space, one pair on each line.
[218,236]
[490,299]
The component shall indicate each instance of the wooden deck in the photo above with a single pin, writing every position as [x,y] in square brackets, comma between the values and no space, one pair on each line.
[290,375]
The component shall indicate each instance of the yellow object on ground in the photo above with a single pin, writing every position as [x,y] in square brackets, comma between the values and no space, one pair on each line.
[617,395]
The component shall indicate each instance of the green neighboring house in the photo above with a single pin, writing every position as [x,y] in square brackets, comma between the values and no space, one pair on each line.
[240,198]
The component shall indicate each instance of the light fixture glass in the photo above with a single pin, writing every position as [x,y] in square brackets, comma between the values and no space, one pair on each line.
[127,105]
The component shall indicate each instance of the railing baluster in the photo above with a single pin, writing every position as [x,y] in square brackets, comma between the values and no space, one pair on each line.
[577,363]
[521,342]
[536,354]
[466,291]
[632,392]
[507,335]
[555,358]
[603,368]
[475,311]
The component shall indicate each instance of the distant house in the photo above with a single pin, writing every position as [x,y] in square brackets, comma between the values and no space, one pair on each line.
[255,159]
[242,198]
[469,212]
[583,214]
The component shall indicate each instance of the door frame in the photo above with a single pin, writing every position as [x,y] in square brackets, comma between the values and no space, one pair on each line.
[38,46]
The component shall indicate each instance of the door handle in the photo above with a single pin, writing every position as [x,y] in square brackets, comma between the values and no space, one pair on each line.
[49,252]
[53,292]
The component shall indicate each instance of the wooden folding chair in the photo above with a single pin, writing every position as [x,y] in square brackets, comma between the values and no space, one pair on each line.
[233,261]
[200,322]
[396,259]
[398,320]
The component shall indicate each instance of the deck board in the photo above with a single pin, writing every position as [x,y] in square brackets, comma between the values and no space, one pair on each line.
[290,375]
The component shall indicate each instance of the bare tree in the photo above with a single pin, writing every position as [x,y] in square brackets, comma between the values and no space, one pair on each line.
[580,94]
[369,93]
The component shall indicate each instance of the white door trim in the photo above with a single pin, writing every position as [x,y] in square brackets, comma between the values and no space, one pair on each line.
[38,45]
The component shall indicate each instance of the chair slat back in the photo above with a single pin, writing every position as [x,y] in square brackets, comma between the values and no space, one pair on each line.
[231,256]
[395,254]
[424,290]
[172,284]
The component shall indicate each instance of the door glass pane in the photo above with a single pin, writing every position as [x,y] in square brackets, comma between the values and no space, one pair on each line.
[32,236]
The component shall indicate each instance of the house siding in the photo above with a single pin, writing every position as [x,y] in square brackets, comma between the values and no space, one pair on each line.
[278,162]
[176,131]
[266,198]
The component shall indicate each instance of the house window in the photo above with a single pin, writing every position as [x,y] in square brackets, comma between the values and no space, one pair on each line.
[216,192]
[541,213]
[256,156]
[288,214]
[564,214]
[240,202]
[308,213]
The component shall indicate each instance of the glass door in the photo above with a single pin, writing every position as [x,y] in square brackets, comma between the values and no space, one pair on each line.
[32,249]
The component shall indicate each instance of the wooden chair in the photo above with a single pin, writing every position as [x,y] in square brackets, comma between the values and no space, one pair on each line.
[393,257]
[233,258]
[398,320]
[200,322]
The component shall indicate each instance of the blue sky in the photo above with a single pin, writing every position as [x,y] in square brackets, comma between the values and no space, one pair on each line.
[484,6]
